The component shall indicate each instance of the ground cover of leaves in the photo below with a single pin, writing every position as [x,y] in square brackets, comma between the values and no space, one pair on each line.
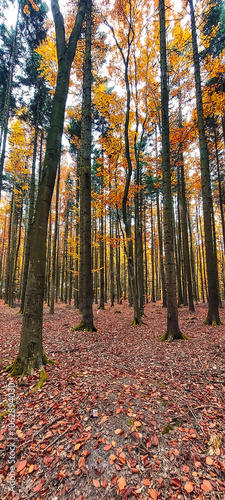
[122,415]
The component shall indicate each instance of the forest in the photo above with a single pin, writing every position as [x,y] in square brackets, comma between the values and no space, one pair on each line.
[112,241]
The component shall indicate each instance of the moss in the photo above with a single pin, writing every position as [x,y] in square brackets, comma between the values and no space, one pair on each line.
[137,322]
[81,326]
[48,361]
[43,378]
[163,401]
[169,337]
[170,427]
[2,415]
[161,384]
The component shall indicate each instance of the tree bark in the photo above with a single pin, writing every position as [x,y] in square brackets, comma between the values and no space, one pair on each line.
[211,264]
[86,282]
[173,331]
[31,354]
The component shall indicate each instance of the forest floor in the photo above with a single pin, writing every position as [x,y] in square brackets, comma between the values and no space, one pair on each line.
[122,415]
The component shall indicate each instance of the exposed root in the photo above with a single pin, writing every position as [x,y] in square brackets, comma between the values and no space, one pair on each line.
[213,322]
[137,322]
[83,327]
[43,378]
[170,337]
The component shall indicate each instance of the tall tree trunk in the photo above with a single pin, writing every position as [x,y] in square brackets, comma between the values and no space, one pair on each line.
[211,263]
[30,219]
[31,351]
[53,273]
[173,331]
[85,282]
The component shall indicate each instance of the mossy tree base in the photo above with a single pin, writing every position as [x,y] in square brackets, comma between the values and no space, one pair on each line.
[170,337]
[83,327]
[137,322]
[22,367]
[213,322]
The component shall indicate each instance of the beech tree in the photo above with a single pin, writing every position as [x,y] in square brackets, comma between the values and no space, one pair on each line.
[31,354]
[211,257]
[173,330]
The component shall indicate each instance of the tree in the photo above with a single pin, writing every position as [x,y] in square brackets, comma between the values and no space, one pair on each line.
[211,258]
[31,353]
[85,278]
[173,330]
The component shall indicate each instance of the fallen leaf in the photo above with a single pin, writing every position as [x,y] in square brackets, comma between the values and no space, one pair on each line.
[96,483]
[107,447]
[188,487]
[118,431]
[153,493]
[20,466]
[206,486]
[155,440]
[209,461]
[146,482]
[121,483]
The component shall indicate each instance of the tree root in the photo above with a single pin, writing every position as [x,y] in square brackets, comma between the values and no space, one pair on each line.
[170,337]
[82,326]
[20,368]
[213,322]
[137,322]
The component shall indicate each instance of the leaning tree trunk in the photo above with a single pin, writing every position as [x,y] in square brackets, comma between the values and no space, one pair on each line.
[211,259]
[31,354]
[173,331]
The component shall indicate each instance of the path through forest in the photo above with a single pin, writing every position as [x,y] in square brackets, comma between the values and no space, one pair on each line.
[122,415]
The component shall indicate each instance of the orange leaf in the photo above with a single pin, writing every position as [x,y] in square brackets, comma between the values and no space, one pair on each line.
[137,423]
[153,493]
[155,440]
[81,462]
[31,468]
[112,457]
[104,482]
[209,461]
[118,431]
[107,447]
[188,487]
[146,482]
[185,468]
[21,465]
[121,483]
[206,486]
[77,446]
[48,435]
[38,487]
[96,483]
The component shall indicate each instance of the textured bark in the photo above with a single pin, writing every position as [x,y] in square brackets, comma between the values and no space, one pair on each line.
[173,331]
[30,219]
[211,263]
[53,273]
[30,351]
[85,283]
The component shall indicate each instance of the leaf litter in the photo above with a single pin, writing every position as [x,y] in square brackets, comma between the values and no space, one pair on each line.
[122,415]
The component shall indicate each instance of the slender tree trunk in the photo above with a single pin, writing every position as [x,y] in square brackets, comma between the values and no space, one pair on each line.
[30,219]
[53,274]
[173,331]
[31,351]
[85,190]
[213,310]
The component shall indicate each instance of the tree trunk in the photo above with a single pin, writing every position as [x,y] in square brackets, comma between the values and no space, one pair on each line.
[211,264]
[85,191]
[173,331]
[31,353]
